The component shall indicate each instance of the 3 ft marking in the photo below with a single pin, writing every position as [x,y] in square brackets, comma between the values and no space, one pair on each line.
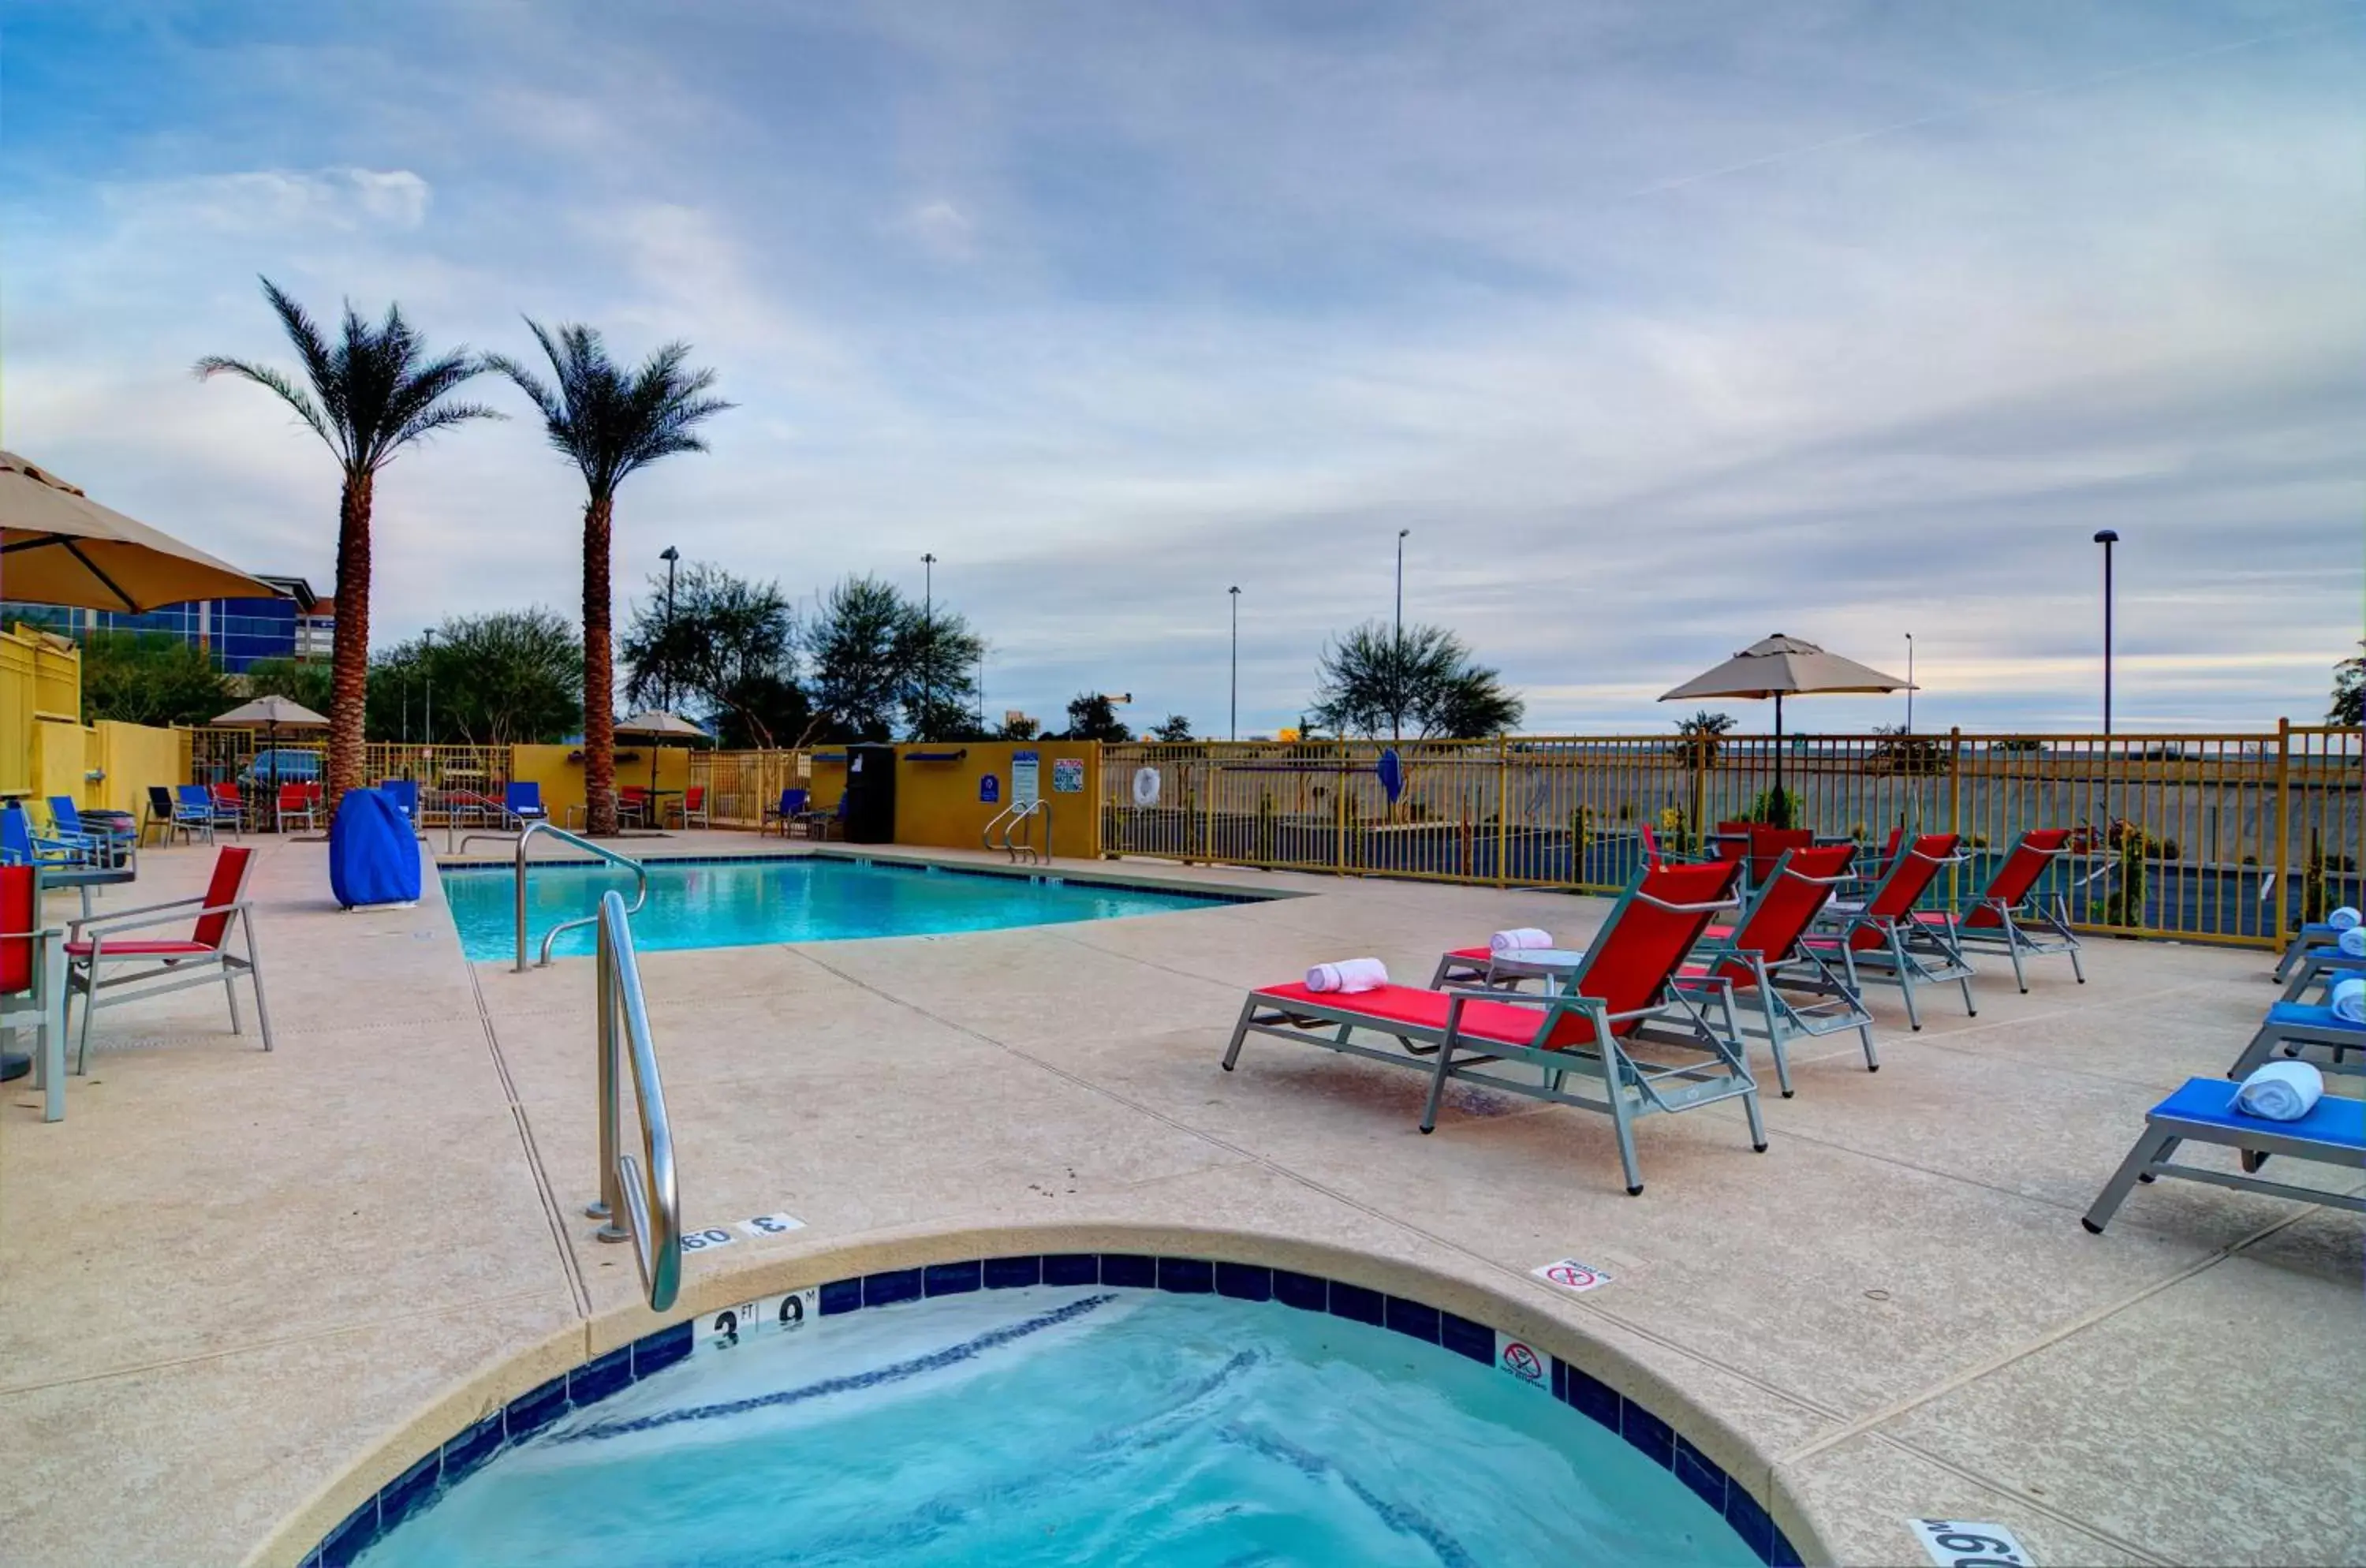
[707,1239]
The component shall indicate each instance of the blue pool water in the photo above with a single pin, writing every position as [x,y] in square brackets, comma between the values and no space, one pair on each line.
[1067,1426]
[743,903]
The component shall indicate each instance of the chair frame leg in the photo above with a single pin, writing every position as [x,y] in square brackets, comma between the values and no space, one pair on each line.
[2150,1150]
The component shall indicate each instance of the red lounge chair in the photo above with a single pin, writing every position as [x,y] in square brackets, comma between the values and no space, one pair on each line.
[1883,940]
[1754,956]
[2010,913]
[1619,998]
[201,958]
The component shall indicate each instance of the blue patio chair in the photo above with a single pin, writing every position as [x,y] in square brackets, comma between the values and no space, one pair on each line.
[192,809]
[405,793]
[200,809]
[105,845]
[791,809]
[19,845]
[2333,1133]
[523,801]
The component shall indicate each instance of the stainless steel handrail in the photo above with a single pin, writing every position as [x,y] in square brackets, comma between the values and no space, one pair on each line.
[640,1188]
[1010,818]
[1008,814]
[641,873]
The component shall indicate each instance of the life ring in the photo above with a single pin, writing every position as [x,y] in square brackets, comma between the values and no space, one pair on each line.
[1145,787]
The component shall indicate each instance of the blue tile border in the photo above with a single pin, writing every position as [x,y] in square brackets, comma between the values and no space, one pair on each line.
[530,1411]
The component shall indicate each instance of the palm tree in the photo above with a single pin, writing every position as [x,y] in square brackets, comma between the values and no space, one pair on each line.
[609,421]
[374,392]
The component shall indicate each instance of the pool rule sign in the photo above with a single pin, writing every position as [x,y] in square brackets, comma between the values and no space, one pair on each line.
[1026,777]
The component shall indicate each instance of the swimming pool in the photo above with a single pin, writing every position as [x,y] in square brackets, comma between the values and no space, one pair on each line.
[1043,1425]
[741,903]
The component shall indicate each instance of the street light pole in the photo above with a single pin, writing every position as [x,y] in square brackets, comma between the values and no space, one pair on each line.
[1235,727]
[669,555]
[1909,683]
[427,668]
[2107,538]
[1400,623]
[928,634]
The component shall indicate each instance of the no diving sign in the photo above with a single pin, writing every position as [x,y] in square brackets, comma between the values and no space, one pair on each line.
[1570,1275]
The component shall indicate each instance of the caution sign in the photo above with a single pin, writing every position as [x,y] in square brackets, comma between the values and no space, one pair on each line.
[1570,1275]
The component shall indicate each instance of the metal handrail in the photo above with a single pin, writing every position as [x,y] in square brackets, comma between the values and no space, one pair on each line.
[1008,814]
[641,873]
[641,1190]
[1010,820]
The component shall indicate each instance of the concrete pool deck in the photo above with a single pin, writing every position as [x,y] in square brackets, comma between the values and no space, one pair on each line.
[229,1279]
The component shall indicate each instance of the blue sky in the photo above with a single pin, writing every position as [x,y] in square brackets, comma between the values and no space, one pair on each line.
[1662,325]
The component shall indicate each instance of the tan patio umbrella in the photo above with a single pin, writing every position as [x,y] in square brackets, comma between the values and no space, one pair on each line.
[1783,666]
[267,714]
[59,546]
[658,726]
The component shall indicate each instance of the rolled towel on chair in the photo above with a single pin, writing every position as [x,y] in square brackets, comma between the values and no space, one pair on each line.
[2345,919]
[1518,937]
[1348,975]
[2352,941]
[2280,1092]
[2348,1000]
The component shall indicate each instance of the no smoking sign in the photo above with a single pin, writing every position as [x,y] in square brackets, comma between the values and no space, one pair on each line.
[1570,1275]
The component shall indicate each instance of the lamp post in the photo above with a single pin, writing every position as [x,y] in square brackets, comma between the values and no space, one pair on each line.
[2107,538]
[427,669]
[669,555]
[1235,727]
[1400,622]
[927,634]
[1909,683]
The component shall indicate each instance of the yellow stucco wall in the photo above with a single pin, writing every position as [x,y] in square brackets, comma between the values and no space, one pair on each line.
[937,804]
[562,779]
[132,757]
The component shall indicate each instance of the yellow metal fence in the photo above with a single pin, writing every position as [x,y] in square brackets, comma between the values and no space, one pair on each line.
[2228,838]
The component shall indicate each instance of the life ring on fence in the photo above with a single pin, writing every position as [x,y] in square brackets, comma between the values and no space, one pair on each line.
[1145,787]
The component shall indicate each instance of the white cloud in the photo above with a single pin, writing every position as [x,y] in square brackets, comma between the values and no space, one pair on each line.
[940,229]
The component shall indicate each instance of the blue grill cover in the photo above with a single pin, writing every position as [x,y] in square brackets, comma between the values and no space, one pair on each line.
[373,858]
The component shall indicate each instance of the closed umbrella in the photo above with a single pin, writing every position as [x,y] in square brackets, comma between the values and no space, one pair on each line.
[1783,666]
[59,546]
[269,714]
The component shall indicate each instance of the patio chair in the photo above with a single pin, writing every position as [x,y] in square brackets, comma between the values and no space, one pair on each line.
[1619,998]
[19,845]
[2009,914]
[164,815]
[295,805]
[522,801]
[33,984]
[2298,1026]
[230,806]
[690,809]
[201,811]
[2333,1133]
[1883,941]
[104,843]
[1765,955]
[405,796]
[633,804]
[792,809]
[202,958]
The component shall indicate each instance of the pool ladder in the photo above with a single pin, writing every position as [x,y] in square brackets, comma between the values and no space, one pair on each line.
[638,1198]
[1013,819]
[640,875]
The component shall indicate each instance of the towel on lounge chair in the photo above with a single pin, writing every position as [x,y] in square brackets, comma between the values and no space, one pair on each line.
[2280,1092]
[2345,919]
[1348,975]
[2352,941]
[1517,938]
[2348,1000]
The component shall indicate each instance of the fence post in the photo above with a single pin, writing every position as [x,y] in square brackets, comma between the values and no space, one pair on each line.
[2283,824]
[1339,811]
[1503,806]
[1955,808]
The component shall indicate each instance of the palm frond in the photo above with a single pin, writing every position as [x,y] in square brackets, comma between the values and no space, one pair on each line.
[272,380]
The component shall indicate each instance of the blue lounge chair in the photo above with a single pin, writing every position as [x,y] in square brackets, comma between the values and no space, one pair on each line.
[104,844]
[19,845]
[2321,967]
[2300,1026]
[2333,1133]
[2313,934]
[523,801]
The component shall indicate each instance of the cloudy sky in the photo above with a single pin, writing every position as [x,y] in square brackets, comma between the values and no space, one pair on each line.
[1660,323]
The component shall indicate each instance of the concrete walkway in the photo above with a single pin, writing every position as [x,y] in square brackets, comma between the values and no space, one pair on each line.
[228,1277]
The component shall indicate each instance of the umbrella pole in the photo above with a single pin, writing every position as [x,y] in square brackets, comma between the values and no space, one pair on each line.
[271,804]
[1778,810]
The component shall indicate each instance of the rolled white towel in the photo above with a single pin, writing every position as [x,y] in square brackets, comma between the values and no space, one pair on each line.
[1348,975]
[2344,918]
[2352,941]
[1518,937]
[2348,1000]
[2280,1092]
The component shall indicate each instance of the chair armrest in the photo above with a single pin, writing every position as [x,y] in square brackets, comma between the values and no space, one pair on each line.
[111,924]
[170,903]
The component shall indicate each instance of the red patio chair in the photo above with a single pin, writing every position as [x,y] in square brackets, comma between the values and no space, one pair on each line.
[295,805]
[2009,913]
[201,958]
[32,983]
[1884,938]
[1765,955]
[1619,998]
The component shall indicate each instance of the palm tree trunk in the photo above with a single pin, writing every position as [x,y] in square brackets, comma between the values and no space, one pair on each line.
[349,645]
[599,672]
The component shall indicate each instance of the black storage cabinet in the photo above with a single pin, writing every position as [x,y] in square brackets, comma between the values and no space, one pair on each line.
[871,795]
